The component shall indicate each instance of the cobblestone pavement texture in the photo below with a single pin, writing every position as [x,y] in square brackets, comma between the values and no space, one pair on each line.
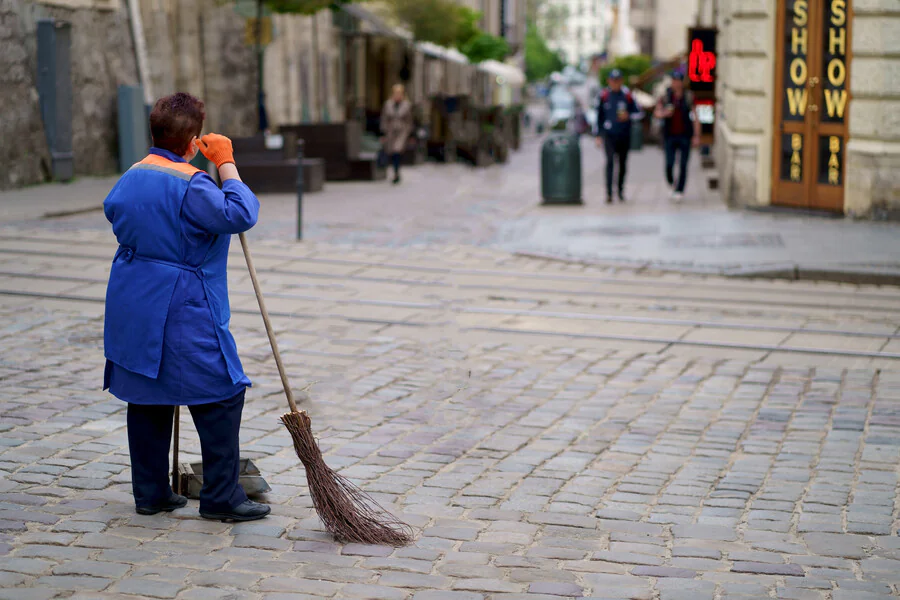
[500,207]
[550,430]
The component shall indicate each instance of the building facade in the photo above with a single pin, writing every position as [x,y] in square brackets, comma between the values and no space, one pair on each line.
[809,105]
[661,26]
[504,18]
[576,28]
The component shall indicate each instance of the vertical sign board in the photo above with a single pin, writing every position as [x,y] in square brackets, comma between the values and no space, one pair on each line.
[701,76]
[811,103]
[833,108]
[796,61]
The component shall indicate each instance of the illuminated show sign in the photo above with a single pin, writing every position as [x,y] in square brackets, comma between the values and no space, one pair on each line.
[702,59]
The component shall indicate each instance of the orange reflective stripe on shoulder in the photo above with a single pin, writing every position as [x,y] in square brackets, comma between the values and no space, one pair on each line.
[154,162]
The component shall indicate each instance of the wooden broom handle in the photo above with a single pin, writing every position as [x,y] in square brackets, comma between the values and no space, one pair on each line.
[176,480]
[269,332]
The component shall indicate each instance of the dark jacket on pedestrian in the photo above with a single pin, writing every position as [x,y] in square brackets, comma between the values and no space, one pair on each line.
[612,104]
[679,124]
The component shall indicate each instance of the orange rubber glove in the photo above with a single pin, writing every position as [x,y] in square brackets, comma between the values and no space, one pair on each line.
[216,148]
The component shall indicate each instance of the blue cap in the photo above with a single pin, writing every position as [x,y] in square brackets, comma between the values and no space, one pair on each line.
[615,74]
[678,75]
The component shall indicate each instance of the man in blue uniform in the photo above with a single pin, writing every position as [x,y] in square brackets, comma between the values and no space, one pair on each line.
[166,337]
[615,111]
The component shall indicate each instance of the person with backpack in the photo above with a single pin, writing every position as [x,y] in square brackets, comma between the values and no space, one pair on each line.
[681,131]
[615,112]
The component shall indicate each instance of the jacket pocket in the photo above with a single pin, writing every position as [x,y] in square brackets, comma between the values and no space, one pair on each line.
[217,293]
[138,297]
[199,333]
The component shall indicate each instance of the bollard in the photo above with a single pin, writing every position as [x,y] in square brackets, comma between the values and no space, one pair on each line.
[299,189]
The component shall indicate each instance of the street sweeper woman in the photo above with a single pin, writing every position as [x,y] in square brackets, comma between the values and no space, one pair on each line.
[166,337]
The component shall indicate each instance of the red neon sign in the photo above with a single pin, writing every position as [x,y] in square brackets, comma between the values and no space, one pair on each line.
[701,63]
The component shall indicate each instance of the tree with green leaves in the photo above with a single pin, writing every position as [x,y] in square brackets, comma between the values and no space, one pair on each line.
[437,21]
[540,60]
[485,46]
[303,7]
[448,24]
[631,65]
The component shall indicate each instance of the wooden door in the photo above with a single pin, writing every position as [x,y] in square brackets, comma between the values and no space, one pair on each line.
[812,104]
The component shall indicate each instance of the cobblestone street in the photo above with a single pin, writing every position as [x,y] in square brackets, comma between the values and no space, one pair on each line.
[549,429]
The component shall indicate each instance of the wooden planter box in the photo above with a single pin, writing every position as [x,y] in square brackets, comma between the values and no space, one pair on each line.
[275,171]
[339,145]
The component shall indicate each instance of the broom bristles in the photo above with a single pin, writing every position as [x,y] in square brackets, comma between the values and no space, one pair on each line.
[349,514]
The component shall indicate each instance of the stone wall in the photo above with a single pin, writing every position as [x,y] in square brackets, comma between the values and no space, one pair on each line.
[872,186]
[673,17]
[23,147]
[102,59]
[197,46]
[743,128]
[193,45]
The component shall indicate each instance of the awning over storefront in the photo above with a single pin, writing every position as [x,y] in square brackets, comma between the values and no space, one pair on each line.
[374,23]
[511,75]
[441,52]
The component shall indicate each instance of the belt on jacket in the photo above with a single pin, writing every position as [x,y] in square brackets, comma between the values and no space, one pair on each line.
[128,254]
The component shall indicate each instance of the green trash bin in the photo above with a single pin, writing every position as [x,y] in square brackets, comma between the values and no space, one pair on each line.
[561,169]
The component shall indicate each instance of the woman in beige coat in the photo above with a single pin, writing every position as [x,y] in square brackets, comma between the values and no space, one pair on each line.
[396,126]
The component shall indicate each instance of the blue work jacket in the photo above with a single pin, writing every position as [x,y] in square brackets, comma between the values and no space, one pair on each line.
[166,337]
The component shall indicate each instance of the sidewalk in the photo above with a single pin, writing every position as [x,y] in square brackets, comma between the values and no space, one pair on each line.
[500,207]
[724,243]
[43,201]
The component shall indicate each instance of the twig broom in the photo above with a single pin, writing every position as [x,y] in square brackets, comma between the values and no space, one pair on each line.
[348,513]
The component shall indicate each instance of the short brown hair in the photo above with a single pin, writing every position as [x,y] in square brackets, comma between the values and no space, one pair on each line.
[174,120]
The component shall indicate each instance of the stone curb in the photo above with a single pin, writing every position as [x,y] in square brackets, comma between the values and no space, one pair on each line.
[790,271]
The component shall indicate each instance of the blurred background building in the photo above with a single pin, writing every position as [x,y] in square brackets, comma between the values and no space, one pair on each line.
[576,28]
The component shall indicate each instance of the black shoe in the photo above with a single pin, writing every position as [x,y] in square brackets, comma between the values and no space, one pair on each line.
[174,502]
[609,199]
[248,511]
[621,196]
[396,179]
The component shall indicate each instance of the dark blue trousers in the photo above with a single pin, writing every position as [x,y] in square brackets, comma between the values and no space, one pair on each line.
[149,438]
[618,145]
[682,145]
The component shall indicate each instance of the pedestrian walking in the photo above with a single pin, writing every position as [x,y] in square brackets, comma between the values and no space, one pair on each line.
[681,131]
[615,111]
[396,127]
[166,337]
[581,124]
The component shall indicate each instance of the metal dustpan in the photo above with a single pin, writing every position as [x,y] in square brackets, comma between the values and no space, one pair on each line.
[191,479]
